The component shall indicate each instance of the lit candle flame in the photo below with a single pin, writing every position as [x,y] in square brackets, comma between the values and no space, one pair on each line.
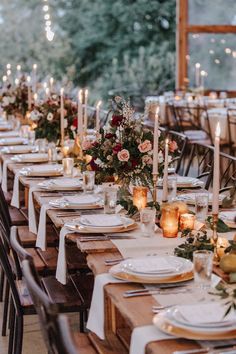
[157,111]
[35,66]
[28,78]
[99,104]
[217,130]
[197,65]
[62,91]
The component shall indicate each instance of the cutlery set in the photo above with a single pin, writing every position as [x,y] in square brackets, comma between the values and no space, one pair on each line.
[158,290]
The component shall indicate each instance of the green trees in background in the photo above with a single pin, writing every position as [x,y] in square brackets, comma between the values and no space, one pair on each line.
[120,46]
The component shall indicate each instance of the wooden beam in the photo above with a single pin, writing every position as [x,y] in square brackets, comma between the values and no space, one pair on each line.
[181,42]
[211,29]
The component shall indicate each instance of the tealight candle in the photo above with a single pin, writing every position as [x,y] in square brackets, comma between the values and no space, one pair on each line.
[140,197]
[187,221]
[170,221]
[68,165]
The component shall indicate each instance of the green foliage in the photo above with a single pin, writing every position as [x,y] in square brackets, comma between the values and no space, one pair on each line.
[193,242]
[221,226]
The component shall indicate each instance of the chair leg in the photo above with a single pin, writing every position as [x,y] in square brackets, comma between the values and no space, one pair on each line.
[18,335]
[2,280]
[5,310]
[12,328]
[81,321]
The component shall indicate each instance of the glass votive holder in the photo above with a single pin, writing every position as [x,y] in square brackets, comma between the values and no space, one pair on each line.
[42,143]
[88,181]
[170,221]
[201,206]
[110,200]
[148,221]
[24,131]
[52,153]
[202,268]
[140,197]
[68,166]
[31,137]
[186,221]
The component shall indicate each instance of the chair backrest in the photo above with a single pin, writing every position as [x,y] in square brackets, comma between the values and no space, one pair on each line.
[66,335]
[231,121]
[227,170]
[4,210]
[181,141]
[200,163]
[46,310]
[6,266]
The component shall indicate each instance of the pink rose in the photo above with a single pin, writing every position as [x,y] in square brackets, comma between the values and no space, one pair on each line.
[173,146]
[86,144]
[147,160]
[123,155]
[145,146]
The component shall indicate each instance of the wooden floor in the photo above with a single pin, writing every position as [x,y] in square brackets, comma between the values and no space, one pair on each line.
[33,341]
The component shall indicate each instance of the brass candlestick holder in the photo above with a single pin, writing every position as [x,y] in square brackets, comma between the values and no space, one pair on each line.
[155,178]
[216,258]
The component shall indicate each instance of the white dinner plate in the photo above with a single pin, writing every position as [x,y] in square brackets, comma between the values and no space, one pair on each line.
[42,170]
[18,149]
[12,141]
[62,184]
[143,265]
[34,157]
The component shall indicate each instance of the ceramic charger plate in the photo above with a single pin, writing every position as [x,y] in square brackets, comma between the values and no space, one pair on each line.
[169,326]
[77,226]
[42,171]
[184,272]
[62,184]
[34,157]
[18,149]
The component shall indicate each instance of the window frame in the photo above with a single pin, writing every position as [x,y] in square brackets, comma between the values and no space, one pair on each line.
[183,29]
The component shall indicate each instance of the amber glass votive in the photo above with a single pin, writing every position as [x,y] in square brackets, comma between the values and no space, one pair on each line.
[187,221]
[169,221]
[140,197]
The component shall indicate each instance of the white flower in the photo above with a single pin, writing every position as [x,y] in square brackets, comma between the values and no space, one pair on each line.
[50,116]
[109,158]
[35,115]
[99,163]
[5,101]
[12,99]
[160,157]
[72,127]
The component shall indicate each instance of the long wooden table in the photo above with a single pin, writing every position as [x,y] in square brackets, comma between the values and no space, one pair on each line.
[122,315]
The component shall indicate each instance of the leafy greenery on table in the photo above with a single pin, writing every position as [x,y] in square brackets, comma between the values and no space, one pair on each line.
[194,242]
[221,226]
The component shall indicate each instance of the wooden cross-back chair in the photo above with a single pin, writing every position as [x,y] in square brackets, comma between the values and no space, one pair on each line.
[200,163]
[189,121]
[181,141]
[231,123]
[56,333]
[227,171]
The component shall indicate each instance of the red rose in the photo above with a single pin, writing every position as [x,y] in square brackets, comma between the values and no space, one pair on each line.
[95,144]
[109,135]
[117,148]
[134,163]
[75,122]
[116,120]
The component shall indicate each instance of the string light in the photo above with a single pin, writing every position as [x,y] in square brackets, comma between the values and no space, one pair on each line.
[48,22]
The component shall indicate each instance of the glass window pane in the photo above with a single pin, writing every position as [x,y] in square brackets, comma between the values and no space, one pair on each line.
[217,55]
[212,12]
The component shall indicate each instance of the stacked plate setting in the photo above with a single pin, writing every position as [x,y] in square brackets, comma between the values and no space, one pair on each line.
[101,223]
[42,171]
[154,269]
[203,321]
[62,184]
[77,202]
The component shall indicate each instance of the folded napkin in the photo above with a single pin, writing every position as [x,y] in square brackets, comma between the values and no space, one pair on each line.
[101,220]
[30,157]
[152,265]
[9,141]
[61,271]
[42,168]
[4,175]
[141,336]
[41,241]
[81,199]
[96,313]
[228,215]
[15,201]
[211,312]
[31,209]
[66,182]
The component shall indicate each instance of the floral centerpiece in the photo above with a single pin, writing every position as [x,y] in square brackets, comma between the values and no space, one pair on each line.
[8,100]
[46,115]
[124,148]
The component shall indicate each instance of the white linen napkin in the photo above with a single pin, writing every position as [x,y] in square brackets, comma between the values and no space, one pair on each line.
[31,209]
[96,313]
[41,241]
[81,199]
[141,336]
[61,271]
[4,175]
[15,201]
[101,220]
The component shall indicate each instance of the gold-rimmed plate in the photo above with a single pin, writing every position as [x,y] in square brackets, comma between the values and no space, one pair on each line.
[164,325]
[76,227]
